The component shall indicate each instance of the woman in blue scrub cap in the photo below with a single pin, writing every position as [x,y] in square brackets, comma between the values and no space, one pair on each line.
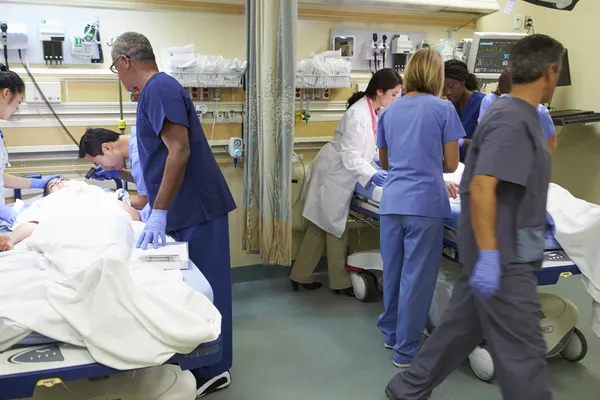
[417,138]
[12,91]
[462,89]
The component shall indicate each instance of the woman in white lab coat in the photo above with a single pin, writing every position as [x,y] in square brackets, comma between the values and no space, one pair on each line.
[340,164]
[12,90]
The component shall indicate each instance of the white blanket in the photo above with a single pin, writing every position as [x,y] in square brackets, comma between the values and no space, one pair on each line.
[577,231]
[72,282]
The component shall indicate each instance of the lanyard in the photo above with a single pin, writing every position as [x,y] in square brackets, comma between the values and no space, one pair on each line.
[373,117]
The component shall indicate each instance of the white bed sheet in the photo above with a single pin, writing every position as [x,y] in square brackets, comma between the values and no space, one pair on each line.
[71,282]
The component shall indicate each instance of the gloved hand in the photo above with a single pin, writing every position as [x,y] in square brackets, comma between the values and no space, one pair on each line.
[102,174]
[379,177]
[378,163]
[145,213]
[550,227]
[154,230]
[8,214]
[485,280]
[461,142]
[41,183]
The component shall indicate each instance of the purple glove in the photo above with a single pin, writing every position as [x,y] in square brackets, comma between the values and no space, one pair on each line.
[102,174]
[485,280]
[8,214]
[145,213]
[379,178]
[378,163]
[461,142]
[154,230]
[41,183]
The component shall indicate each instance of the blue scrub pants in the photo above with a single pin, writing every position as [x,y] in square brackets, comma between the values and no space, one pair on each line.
[209,250]
[411,248]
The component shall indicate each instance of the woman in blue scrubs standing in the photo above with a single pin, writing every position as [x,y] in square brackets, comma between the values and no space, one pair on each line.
[417,136]
[462,89]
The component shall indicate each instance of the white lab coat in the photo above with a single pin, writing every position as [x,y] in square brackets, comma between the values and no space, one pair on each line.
[336,169]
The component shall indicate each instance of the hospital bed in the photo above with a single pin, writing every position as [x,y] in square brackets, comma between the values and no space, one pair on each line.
[38,361]
[559,314]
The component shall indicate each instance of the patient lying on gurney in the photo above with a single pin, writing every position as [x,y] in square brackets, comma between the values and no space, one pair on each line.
[55,192]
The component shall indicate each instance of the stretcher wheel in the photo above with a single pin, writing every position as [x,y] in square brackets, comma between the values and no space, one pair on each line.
[364,286]
[482,363]
[576,348]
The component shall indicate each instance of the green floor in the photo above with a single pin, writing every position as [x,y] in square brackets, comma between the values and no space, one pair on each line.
[321,346]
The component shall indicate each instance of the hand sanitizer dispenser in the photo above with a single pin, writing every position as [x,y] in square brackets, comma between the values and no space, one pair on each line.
[235,149]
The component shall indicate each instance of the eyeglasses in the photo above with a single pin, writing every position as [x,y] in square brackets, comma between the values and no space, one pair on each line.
[113,67]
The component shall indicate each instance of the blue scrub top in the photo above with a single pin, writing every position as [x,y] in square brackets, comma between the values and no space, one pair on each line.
[543,112]
[204,194]
[134,164]
[469,118]
[414,129]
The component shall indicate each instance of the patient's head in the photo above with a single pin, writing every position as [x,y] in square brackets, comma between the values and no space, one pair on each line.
[54,185]
[104,147]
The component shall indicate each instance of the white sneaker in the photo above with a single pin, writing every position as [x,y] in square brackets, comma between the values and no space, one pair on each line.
[387,346]
[211,385]
[400,365]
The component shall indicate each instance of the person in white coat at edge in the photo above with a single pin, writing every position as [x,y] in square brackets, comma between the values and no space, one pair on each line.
[333,175]
[12,91]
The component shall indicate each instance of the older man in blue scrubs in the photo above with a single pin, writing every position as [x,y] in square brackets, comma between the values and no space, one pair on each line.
[189,196]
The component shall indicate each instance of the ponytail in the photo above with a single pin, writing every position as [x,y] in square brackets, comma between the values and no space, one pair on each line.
[384,80]
[356,96]
[11,80]
[455,69]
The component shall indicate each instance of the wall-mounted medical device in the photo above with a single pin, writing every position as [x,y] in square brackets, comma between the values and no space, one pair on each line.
[236,146]
[489,53]
[52,35]
[17,36]
[345,44]
[566,5]
[402,48]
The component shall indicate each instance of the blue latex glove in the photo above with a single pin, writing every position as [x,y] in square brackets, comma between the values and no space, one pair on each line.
[41,183]
[102,174]
[145,213]
[550,227]
[8,214]
[461,142]
[379,177]
[485,280]
[154,230]
[378,163]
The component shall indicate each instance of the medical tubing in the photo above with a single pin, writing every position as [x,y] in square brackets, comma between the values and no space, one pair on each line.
[44,97]
[121,105]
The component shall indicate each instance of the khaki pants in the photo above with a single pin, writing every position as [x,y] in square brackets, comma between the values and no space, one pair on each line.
[310,253]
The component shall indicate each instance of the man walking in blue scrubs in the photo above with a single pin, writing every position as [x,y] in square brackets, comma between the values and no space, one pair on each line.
[501,241]
[188,193]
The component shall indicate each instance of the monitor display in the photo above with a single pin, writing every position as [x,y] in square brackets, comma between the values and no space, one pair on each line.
[493,55]
[565,74]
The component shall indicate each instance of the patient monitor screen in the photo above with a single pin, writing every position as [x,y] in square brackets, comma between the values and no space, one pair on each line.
[493,55]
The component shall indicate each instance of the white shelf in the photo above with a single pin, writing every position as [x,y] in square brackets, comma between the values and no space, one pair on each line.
[323,82]
[208,80]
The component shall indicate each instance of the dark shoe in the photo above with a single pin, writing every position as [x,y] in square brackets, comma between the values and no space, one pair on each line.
[307,286]
[348,291]
[210,385]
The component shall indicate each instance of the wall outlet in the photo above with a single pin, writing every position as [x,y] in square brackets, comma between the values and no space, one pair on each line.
[231,116]
[220,116]
[528,21]
[217,94]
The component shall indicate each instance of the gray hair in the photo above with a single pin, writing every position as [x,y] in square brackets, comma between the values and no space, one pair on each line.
[531,56]
[133,45]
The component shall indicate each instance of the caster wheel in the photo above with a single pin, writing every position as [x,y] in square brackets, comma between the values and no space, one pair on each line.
[576,348]
[482,363]
[364,286]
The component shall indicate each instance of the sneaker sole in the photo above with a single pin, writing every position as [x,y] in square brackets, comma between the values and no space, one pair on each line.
[218,384]
[400,365]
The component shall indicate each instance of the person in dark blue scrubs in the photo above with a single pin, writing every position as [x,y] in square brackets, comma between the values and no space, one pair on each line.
[462,89]
[188,193]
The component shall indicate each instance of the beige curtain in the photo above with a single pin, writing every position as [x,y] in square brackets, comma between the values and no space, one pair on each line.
[269,129]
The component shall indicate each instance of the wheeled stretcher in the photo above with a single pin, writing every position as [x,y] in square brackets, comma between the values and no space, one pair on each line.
[40,361]
[559,314]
